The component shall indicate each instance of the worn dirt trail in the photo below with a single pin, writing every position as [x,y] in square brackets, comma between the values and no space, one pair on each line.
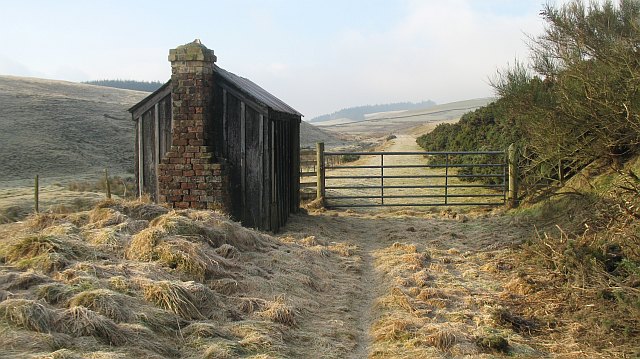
[420,283]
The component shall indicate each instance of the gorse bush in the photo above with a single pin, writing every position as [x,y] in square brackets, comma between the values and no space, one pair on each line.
[576,101]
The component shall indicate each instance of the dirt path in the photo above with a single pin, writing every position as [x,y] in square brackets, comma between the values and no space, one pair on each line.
[421,284]
[415,275]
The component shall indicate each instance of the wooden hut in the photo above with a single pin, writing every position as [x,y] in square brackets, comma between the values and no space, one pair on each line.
[211,139]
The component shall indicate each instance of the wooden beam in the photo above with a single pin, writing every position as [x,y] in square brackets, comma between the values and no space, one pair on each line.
[147,103]
[224,124]
[156,125]
[243,159]
[140,158]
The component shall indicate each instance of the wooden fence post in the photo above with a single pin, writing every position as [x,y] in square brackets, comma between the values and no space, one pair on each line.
[107,183]
[513,176]
[320,171]
[36,194]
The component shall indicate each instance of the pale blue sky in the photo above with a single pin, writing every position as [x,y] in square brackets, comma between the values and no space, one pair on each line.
[318,56]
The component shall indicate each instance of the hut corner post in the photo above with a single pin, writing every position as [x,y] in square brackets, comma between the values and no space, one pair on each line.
[189,175]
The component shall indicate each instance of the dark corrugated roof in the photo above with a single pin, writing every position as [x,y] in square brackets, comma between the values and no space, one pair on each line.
[256,92]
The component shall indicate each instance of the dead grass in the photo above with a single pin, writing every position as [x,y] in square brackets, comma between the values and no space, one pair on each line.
[173,297]
[27,314]
[110,304]
[190,258]
[54,293]
[278,311]
[395,329]
[80,321]
[443,338]
[40,252]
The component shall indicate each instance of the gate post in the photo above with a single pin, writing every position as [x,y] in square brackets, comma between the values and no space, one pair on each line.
[513,176]
[320,171]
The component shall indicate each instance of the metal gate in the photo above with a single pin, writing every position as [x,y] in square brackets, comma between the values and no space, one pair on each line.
[376,179]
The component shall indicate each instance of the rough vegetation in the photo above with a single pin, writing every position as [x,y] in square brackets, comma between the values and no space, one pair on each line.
[574,103]
[573,113]
[133,279]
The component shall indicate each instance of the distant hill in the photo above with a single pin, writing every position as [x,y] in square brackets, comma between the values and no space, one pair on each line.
[390,122]
[359,112]
[310,135]
[58,128]
[63,130]
[147,86]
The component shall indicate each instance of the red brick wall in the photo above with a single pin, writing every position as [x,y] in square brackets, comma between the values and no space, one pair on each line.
[189,176]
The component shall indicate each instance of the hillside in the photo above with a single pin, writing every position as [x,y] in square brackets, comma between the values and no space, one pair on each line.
[310,134]
[146,86]
[361,112]
[56,128]
[390,122]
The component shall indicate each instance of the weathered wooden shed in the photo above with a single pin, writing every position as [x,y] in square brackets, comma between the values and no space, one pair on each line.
[211,139]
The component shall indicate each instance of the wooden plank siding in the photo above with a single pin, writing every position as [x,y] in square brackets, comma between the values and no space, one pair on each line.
[259,146]
[153,139]
[149,178]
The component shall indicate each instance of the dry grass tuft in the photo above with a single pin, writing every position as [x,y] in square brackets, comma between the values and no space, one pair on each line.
[101,217]
[26,280]
[322,251]
[107,238]
[417,261]
[250,305]
[397,298]
[311,241]
[409,248]
[437,268]
[172,297]
[343,249]
[422,278]
[143,243]
[40,221]
[227,251]
[257,341]
[206,330]
[160,321]
[443,339]
[54,293]
[110,304]
[520,285]
[61,354]
[62,229]
[316,204]
[80,321]
[145,338]
[226,286]
[190,258]
[279,312]
[223,349]
[137,209]
[27,314]
[15,342]
[122,284]
[432,293]
[45,253]
[394,329]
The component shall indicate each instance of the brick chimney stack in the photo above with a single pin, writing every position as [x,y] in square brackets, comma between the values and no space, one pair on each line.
[188,176]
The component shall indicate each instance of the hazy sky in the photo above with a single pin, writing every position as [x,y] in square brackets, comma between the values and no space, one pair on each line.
[318,56]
